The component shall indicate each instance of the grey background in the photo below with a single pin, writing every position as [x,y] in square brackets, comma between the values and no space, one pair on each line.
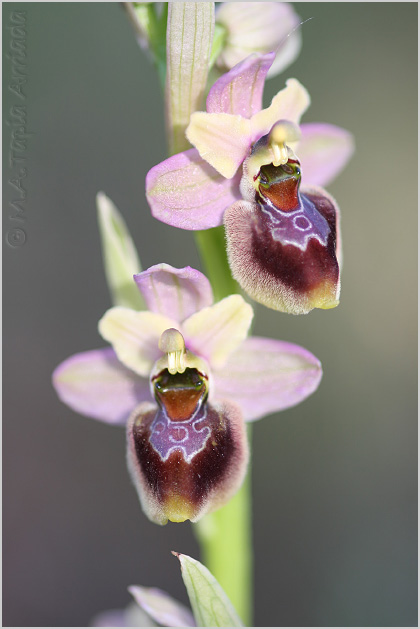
[334,479]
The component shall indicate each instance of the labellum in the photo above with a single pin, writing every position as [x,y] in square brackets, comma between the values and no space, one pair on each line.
[186,456]
[282,242]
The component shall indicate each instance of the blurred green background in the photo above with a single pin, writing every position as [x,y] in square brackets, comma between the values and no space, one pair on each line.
[334,479]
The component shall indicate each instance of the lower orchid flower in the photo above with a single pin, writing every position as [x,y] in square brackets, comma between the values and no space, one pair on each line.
[185,378]
[283,245]
[152,608]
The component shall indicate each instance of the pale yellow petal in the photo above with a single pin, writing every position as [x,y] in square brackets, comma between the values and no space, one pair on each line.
[135,336]
[223,140]
[289,104]
[215,332]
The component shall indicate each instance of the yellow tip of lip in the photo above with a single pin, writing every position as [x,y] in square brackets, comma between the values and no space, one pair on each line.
[329,306]
[178,509]
[324,298]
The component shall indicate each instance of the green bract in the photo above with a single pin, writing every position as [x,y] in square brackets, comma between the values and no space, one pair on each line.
[209,602]
[120,257]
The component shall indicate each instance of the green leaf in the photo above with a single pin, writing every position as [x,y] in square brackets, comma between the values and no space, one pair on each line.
[119,254]
[210,604]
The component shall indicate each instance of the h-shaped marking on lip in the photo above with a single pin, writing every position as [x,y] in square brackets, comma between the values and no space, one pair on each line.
[164,439]
[286,230]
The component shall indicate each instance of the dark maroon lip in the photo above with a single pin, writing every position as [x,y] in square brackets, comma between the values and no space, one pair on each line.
[183,470]
[301,270]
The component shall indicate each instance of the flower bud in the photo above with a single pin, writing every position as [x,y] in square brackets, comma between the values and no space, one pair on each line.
[282,243]
[259,27]
[186,456]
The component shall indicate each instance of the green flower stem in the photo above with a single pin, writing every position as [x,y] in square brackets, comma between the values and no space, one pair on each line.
[151,30]
[211,245]
[225,536]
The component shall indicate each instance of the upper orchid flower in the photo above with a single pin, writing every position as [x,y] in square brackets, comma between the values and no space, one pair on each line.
[289,238]
[197,378]
[258,27]
[242,28]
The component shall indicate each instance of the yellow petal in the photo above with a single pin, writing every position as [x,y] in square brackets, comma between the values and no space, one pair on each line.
[135,336]
[223,140]
[216,332]
[289,104]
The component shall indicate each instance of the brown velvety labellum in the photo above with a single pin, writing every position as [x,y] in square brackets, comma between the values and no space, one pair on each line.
[286,260]
[177,480]
[313,270]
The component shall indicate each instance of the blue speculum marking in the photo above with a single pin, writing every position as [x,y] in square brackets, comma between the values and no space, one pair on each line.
[297,227]
[189,437]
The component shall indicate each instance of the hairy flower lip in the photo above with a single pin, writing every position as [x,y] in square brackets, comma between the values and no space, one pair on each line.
[293,276]
[248,379]
[180,478]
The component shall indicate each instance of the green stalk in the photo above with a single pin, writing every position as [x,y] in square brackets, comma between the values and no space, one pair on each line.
[212,249]
[225,537]
[151,28]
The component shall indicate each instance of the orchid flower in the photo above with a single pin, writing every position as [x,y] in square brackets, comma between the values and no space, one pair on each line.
[283,243]
[152,607]
[258,27]
[242,28]
[185,378]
